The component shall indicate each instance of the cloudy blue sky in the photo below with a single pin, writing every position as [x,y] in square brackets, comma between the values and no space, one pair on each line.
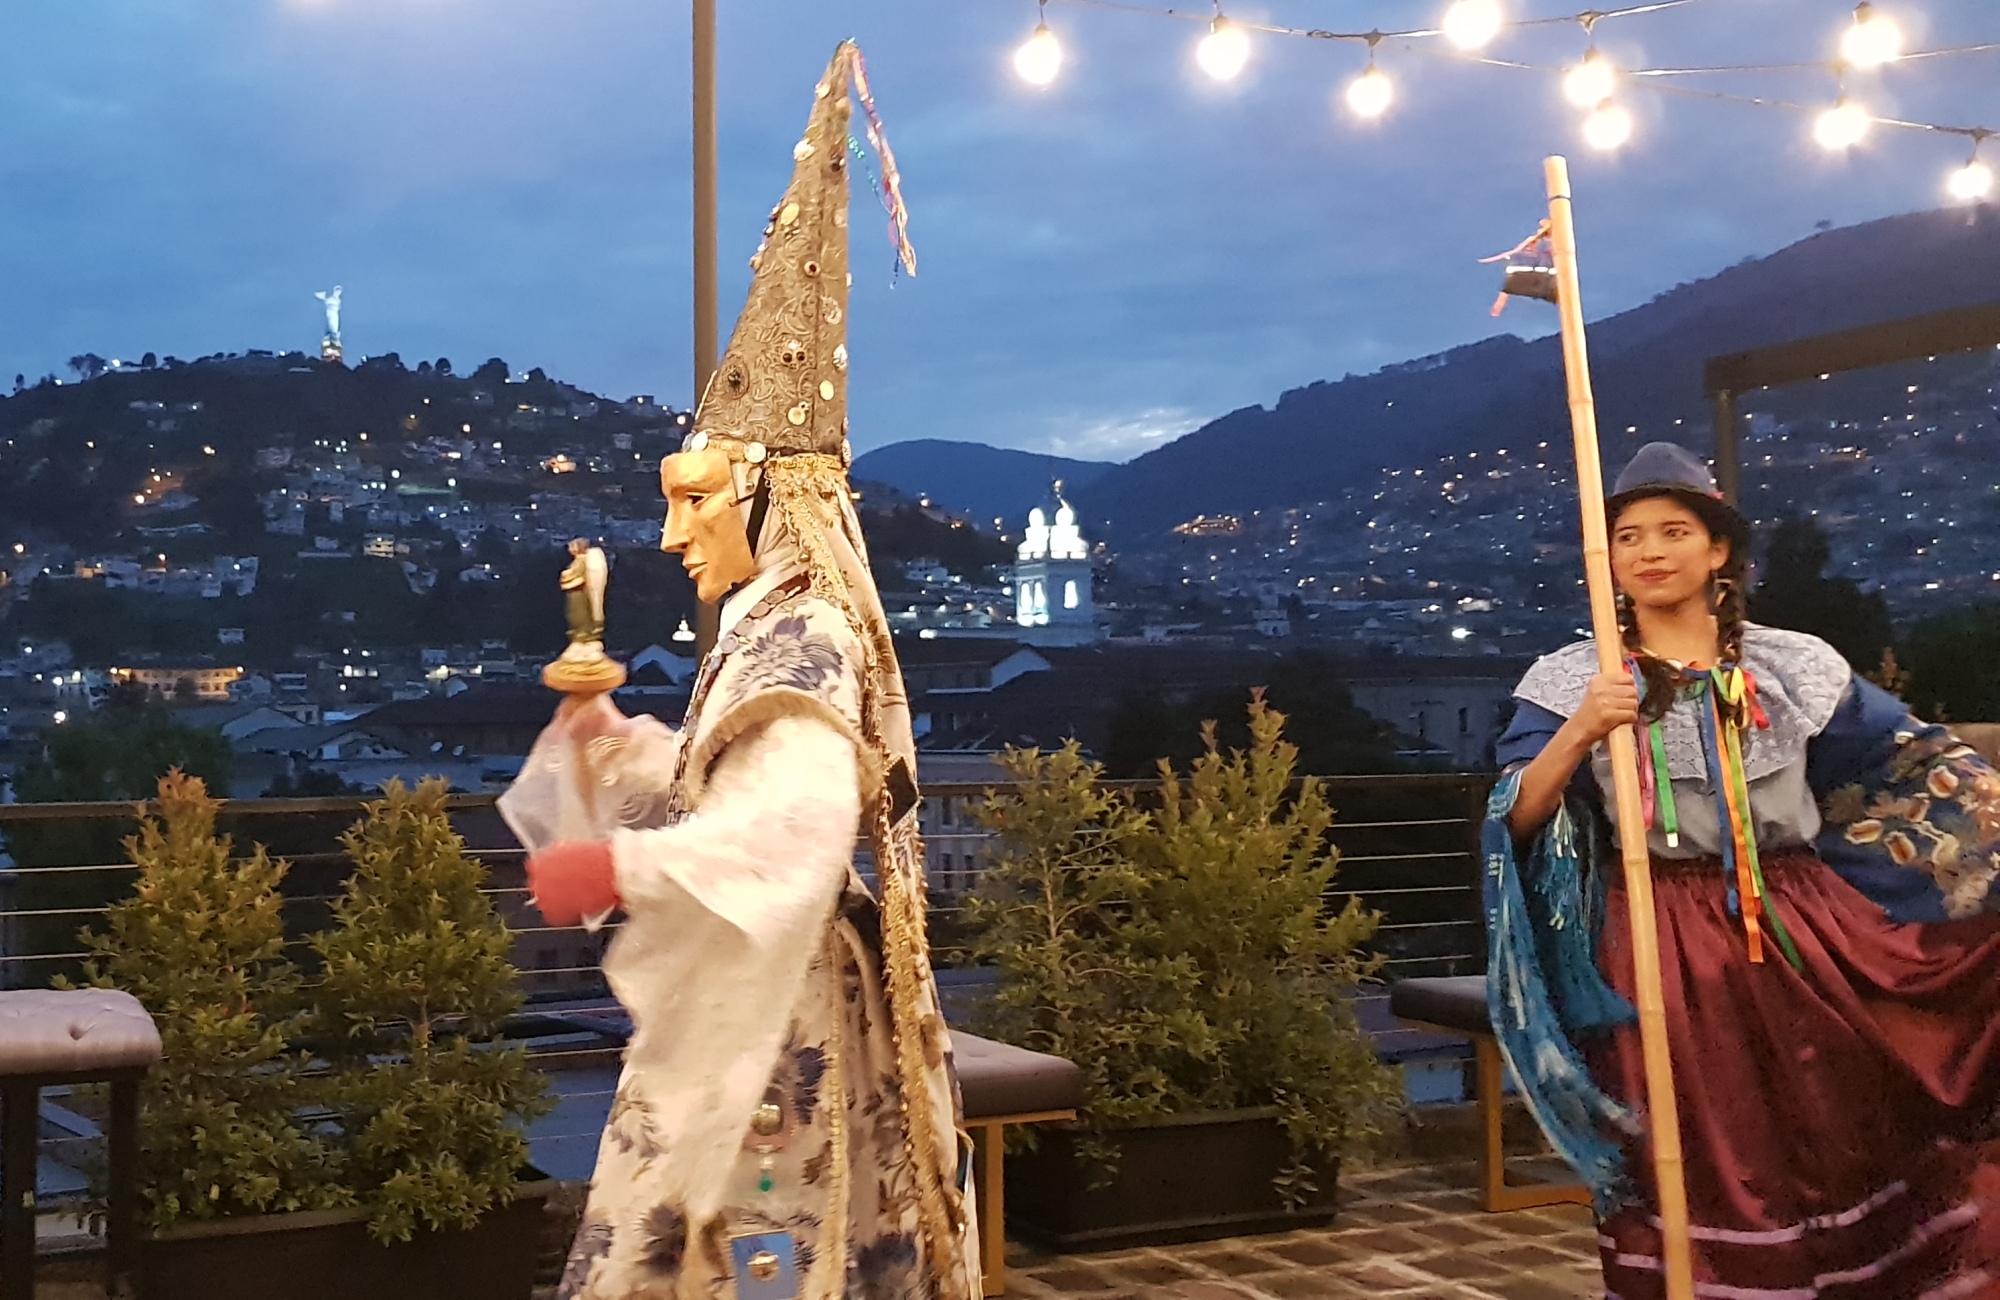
[1105,263]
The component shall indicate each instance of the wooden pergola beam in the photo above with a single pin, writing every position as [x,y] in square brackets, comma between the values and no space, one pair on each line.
[1957,329]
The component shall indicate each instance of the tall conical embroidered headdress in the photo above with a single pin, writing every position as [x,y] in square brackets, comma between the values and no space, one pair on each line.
[777,407]
[782,384]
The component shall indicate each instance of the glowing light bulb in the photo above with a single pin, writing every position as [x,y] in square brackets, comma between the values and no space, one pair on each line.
[1843,126]
[1608,126]
[1590,82]
[1039,58]
[1873,39]
[1370,93]
[1471,24]
[1970,183]
[1223,52]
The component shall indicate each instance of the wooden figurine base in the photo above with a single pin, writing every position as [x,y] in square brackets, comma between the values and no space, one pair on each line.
[592,676]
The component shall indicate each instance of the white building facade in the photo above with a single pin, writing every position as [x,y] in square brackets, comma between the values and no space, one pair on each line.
[1052,581]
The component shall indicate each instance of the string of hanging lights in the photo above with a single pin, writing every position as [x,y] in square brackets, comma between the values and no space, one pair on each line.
[1873,39]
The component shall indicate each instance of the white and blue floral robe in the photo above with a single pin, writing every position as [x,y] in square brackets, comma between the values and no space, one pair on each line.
[752,963]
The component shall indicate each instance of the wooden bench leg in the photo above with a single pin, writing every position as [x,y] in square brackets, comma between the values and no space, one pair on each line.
[989,1155]
[1496,1193]
[1493,1142]
[123,1192]
[21,1121]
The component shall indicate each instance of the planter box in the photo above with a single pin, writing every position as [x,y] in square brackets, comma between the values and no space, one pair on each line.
[328,1255]
[1187,1178]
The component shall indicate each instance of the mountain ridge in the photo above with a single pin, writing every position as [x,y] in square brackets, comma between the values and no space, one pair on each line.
[1502,390]
[981,482]
[1646,364]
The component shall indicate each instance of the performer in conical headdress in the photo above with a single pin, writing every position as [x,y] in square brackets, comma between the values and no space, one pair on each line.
[786,1121]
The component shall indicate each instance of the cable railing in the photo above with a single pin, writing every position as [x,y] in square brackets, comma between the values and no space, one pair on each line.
[1408,845]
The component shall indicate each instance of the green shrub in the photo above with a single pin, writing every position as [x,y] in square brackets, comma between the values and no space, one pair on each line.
[1185,956]
[428,1099]
[200,943]
[410,1106]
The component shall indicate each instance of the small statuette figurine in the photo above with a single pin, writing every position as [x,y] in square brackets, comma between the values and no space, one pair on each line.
[583,668]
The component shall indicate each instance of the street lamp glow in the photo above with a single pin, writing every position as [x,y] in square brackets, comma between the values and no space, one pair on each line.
[1970,183]
[1590,82]
[1369,94]
[1039,58]
[1843,126]
[1873,40]
[1223,52]
[1608,126]
[1472,24]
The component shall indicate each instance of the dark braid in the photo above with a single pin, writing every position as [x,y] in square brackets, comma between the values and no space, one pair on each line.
[1663,679]
[1729,595]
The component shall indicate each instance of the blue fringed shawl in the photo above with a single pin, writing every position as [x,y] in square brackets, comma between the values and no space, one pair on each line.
[1543,988]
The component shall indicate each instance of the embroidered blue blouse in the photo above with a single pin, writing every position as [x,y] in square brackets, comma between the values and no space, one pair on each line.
[1893,804]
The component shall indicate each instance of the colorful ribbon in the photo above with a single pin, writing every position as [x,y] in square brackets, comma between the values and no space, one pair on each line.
[1732,697]
[891,181]
[1670,823]
[1730,707]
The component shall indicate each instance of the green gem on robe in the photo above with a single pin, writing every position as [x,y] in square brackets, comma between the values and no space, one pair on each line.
[765,1182]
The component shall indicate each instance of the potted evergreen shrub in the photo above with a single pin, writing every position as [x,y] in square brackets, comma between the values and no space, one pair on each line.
[415,982]
[389,1159]
[1184,956]
[200,943]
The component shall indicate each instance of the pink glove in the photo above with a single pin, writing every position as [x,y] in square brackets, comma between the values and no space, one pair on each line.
[573,880]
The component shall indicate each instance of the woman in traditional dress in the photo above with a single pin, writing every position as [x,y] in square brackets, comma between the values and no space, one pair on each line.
[1823,870]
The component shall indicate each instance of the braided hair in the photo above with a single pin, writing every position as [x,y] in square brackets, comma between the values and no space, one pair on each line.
[1663,678]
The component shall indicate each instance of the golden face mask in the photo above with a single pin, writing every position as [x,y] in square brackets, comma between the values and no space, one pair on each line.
[703,523]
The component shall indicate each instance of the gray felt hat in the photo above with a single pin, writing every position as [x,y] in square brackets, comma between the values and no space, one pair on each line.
[1671,470]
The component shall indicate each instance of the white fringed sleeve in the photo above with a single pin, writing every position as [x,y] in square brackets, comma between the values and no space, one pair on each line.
[726,912]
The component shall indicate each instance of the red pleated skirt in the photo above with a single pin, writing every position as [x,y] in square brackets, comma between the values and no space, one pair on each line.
[1841,1124]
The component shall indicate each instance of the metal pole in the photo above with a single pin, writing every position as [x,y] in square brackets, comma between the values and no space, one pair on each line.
[707,616]
[1728,458]
[1663,1113]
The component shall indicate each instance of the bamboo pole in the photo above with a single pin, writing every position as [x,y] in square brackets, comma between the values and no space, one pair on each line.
[1662,1112]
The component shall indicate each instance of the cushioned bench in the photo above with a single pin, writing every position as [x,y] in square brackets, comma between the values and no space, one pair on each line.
[1004,1085]
[1457,1004]
[50,1037]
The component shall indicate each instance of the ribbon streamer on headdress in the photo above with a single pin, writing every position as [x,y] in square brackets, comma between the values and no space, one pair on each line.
[891,180]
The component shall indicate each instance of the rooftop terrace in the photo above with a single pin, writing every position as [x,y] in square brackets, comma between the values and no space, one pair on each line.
[1410,1221]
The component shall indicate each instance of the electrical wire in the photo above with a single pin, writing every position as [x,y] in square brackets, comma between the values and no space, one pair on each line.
[1654,79]
[1588,16]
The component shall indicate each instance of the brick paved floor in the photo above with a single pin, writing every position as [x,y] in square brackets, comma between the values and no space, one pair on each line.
[1415,1233]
